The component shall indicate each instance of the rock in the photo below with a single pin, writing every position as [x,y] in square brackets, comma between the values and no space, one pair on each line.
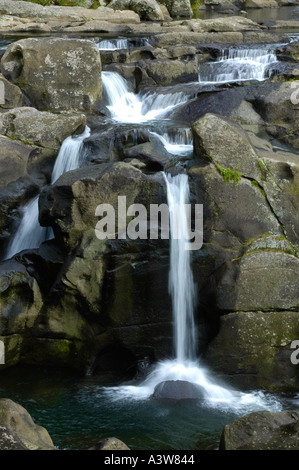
[79,192]
[27,10]
[226,145]
[77,306]
[21,298]
[110,443]
[261,4]
[277,110]
[178,390]
[178,8]
[12,94]
[262,430]
[9,440]
[19,422]
[228,24]
[250,361]
[53,72]
[40,128]
[148,10]
[281,183]
[231,218]
[190,38]
[14,160]
[260,280]
[152,153]
[170,72]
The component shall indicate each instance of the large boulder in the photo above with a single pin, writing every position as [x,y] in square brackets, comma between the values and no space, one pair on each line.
[12,95]
[211,134]
[14,160]
[38,128]
[76,14]
[25,434]
[262,430]
[178,8]
[251,361]
[78,307]
[148,10]
[54,73]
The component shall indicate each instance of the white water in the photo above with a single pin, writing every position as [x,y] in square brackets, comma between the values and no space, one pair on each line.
[185,366]
[237,65]
[178,143]
[113,44]
[30,234]
[181,283]
[128,107]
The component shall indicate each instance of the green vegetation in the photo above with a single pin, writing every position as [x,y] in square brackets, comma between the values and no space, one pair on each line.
[229,175]
[262,168]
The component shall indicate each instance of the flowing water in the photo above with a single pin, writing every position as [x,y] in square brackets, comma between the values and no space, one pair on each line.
[127,107]
[30,234]
[238,65]
[121,43]
[177,142]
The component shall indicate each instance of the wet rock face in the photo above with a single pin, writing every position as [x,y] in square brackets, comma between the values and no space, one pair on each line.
[255,245]
[54,74]
[174,390]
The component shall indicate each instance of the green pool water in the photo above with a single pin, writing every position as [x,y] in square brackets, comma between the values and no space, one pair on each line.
[77,412]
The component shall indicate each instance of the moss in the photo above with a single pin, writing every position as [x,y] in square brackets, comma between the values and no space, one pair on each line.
[262,168]
[255,184]
[229,175]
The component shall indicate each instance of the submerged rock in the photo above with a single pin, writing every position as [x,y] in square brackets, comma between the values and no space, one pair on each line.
[178,390]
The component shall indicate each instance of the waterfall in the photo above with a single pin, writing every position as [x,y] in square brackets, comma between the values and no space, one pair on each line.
[125,106]
[113,44]
[181,283]
[30,234]
[178,142]
[121,43]
[185,366]
[236,65]
[70,154]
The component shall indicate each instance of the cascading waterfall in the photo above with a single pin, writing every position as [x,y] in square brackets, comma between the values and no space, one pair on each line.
[236,65]
[127,107]
[30,234]
[178,142]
